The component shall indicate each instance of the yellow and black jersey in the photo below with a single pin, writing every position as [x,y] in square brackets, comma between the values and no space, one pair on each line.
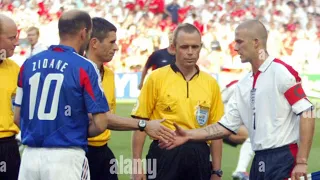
[9,72]
[108,85]
[191,104]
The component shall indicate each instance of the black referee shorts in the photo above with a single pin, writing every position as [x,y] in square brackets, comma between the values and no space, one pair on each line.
[274,164]
[190,161]
[9,158]
[99,158]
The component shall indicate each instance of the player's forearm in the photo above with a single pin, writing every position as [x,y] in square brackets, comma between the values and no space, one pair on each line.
[216,153]
[98,123]
[211,132]
[94,130]
[138,140]
[306,136]
[121,123]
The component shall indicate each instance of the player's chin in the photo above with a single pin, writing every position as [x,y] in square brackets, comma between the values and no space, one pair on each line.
[108,59]
[10,53]
[190,63]
[244,60]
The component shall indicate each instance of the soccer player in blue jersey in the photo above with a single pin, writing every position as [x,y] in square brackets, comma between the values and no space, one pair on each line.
[57,88]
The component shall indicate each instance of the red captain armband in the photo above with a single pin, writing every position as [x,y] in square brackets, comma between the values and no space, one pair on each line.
[294,94]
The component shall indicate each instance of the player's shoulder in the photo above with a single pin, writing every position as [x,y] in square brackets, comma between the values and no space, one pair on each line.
[11,63]
[206,76]
[108,70]
[284,71]
[231,84]
[159,52]
[245,81]
[159,72]
[84,63]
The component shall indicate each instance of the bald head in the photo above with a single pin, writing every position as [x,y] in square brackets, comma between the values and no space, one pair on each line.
[8,36]
[5,21]
[254,29]
[73,21]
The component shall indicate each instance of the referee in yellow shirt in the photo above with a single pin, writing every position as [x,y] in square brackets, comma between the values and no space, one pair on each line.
[9,70]
[101,49]
[183,94]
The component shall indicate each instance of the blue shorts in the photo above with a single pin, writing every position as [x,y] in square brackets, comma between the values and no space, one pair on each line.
[274,164]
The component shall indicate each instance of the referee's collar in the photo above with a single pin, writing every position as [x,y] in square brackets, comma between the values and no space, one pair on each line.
[175,68]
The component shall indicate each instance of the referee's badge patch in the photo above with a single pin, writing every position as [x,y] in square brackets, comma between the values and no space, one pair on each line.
[202,115]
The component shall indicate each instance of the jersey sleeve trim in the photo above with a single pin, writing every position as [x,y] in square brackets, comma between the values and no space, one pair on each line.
[18,98]
[290,69]
[137,117]
[227,128]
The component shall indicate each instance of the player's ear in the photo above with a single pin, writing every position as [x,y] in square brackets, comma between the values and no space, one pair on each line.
[173,47]
[94,43]
[84,34]
[256,43]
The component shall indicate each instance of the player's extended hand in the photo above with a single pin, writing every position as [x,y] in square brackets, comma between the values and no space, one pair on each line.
[181,138]
[299,171]
[156,130]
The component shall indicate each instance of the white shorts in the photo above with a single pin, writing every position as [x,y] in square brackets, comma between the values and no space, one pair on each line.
[54,164]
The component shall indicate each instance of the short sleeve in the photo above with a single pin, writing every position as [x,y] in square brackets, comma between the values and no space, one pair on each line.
[228,91]
[232,119]
[90,81]
[19,91]
[146,100]
[217,107]
[289,84]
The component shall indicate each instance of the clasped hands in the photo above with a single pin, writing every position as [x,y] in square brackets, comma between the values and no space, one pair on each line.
[168,139]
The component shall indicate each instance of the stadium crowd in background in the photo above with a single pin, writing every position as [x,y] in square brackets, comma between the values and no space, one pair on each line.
[294,27]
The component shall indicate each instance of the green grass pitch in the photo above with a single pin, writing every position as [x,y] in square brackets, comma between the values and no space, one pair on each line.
[120,144]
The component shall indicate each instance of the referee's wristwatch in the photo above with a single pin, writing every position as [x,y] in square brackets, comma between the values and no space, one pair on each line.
[142,124]
[218,172]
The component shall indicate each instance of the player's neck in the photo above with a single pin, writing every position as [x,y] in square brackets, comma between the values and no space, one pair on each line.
[257,62]
[94,59]
[73,44]
[33,45]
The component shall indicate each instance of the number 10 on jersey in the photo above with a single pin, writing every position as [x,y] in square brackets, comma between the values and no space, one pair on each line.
[34,87]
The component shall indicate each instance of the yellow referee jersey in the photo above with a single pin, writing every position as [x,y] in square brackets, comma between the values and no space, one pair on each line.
[167,95]
[9,72]
[108,86]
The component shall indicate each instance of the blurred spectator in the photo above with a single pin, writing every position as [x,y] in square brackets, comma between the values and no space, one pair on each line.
[172,11]
[33,38]
[143,27]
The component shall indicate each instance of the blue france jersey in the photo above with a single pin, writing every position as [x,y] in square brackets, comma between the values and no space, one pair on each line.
[59,89]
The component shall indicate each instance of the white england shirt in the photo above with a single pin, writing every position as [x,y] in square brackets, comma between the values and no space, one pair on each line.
[270,107]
